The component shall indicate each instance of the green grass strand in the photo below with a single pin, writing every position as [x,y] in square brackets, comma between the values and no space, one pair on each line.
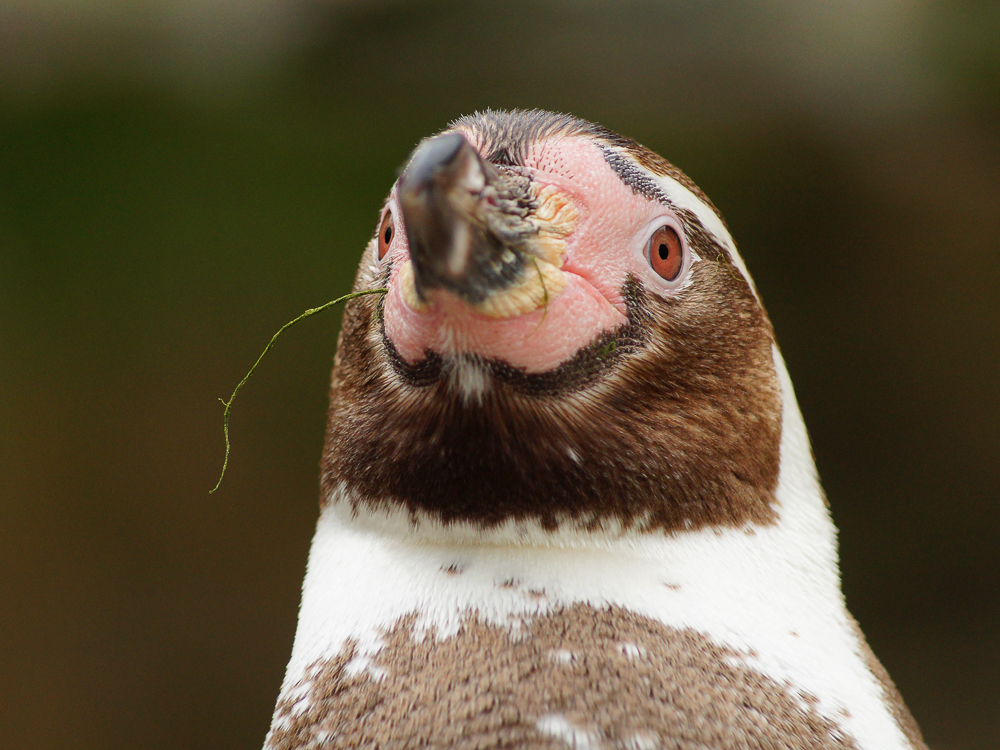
[229,404]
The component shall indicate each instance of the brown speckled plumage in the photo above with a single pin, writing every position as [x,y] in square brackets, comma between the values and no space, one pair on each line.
[621,680]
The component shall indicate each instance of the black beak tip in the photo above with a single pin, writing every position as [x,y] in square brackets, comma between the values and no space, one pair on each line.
[430,159]
[451,244]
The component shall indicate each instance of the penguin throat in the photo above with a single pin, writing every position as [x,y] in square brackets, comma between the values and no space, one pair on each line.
[630,431]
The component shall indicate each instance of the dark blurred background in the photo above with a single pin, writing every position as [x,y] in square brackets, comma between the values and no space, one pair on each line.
[178,179]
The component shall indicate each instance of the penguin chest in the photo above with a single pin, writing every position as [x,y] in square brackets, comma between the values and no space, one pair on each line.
[578,677]
[436,645]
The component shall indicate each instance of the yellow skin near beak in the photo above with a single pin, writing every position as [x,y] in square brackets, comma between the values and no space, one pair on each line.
[555,219]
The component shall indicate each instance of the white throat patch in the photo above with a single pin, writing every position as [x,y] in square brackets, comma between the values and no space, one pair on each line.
[466,376]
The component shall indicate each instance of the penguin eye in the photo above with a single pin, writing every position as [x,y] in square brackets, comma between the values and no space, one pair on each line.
[386,231]
[666,253]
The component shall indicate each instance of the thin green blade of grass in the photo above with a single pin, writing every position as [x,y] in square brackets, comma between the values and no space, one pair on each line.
[229,404]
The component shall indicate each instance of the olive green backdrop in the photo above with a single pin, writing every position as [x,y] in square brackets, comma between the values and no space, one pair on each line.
[162,213]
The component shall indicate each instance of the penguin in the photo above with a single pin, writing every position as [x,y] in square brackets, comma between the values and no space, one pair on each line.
[567,496]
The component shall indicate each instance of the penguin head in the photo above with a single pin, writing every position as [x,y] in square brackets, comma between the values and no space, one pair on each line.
[569,337]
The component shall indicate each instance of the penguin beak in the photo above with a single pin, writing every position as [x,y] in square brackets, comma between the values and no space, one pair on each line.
[466,235]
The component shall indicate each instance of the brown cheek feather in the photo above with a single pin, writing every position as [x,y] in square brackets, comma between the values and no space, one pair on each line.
[673,423]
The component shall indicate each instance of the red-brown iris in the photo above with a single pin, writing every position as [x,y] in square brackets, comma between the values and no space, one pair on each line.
[666,253]
[385,233]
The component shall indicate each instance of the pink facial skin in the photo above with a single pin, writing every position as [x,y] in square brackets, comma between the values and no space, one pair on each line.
[608,244]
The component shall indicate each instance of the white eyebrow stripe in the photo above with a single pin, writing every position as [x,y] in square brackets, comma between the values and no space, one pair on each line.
[680,196]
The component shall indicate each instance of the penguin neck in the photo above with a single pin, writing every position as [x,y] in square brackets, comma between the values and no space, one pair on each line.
[771,592]
[771,589]
[803,533]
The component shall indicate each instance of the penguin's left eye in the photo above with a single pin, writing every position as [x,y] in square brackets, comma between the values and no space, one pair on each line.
[386,231]
[666,253]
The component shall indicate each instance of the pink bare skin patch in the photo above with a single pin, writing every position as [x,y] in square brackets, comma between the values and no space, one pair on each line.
[605,247]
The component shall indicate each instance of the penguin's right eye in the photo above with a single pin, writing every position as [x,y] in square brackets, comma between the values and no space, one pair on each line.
[386,231]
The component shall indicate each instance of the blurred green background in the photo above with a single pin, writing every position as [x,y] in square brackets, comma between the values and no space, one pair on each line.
[178,179]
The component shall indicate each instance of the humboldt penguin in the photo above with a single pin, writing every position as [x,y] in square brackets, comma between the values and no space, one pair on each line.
[568,499]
